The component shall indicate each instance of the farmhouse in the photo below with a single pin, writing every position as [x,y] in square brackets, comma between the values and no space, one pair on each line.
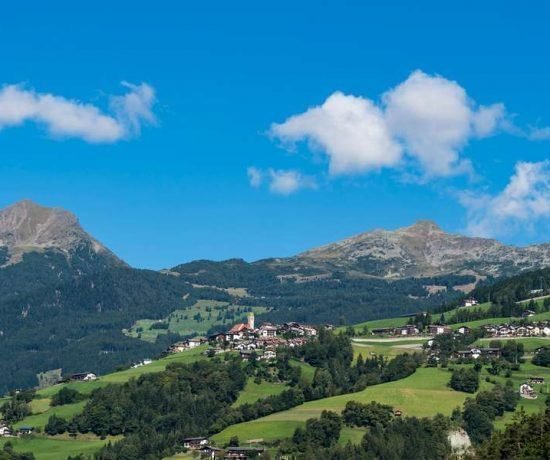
[196,341]
[25,430]
[83,376]
[5,430]
[195,443]
[210,452]
[527,391]
[470,302]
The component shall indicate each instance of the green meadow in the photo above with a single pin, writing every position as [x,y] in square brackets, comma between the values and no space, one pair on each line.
[197,319]
[254,391]
[55,448]
[422,394]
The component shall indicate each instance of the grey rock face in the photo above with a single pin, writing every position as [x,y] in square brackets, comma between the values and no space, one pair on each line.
[423,249]
[27,226]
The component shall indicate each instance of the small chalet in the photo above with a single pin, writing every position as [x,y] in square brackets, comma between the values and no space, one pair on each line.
[196,341]
[409,329]
[195,443]
[470,302]
[536,380]
[527,391]
[84,376]
[464,330]
[26,430]
[5,430]
[436,329]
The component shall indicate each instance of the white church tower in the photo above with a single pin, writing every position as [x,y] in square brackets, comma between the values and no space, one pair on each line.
[251,320]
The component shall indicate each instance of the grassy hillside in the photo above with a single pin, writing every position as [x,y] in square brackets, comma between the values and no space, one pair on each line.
[56,448]
[422,394]
[195,320]
[386,347]
[254,391]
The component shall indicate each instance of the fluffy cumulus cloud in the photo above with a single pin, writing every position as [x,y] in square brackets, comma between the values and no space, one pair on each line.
[280,181]
[351,130]
[426,118]
[64,118]
[523,203]
[434,118]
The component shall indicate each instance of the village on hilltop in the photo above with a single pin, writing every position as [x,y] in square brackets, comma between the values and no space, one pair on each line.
[261,342]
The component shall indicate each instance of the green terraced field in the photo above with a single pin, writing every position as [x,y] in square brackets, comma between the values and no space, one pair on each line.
[530,344]
[197,319]
[386,347]
[45,448]
[424,393]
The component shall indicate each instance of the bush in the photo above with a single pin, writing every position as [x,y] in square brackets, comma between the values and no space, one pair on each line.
[371,414]
[466,380]
[66,396]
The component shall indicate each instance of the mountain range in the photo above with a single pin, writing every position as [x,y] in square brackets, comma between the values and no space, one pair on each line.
[65,298]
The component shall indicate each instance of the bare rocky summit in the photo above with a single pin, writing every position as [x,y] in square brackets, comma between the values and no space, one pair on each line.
[27,227]
[423,249]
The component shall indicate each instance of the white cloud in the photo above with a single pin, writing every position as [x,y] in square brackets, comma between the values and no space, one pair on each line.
[280,181]
[434,118]
[350,130]
[70,118]
[287,182]
[255,176]
[427,118]
[524,202]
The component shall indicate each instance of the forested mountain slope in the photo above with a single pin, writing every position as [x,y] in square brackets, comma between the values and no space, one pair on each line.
[65,298]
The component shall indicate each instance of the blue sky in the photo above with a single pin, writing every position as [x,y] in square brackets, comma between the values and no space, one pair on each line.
[417,110]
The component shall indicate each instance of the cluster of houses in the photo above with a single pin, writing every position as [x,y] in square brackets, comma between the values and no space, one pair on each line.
[411,329]
[250,341]
[540,329]
[201,445]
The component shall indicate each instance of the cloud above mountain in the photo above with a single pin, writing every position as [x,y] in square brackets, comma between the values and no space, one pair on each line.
[522,204]
[68,118]
[427,119]
[280,181]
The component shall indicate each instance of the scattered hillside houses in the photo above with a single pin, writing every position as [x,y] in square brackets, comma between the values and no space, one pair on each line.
[143,362]
[475,353]
[243,453]
[188,344]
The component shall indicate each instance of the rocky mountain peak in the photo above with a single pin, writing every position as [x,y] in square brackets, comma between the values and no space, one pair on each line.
[27,226]
[422,227]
